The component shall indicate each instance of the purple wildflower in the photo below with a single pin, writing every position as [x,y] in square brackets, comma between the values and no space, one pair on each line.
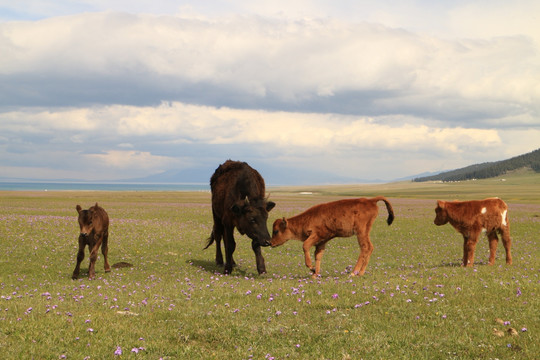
[118,351]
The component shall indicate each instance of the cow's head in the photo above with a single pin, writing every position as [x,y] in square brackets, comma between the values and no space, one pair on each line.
[86,220]
[250,219]
[441,213]
[280,232]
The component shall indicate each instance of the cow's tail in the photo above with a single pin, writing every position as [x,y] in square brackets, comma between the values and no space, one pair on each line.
[390,218]
[210,241]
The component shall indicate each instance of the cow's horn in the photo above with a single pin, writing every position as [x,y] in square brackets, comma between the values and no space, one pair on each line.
[247,200]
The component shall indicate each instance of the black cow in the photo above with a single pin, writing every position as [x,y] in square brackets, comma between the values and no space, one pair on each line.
[238,200]
[94,225]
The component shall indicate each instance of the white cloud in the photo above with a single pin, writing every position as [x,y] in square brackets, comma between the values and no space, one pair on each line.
[292,61]
[343,87]
[116,148]
[141,160]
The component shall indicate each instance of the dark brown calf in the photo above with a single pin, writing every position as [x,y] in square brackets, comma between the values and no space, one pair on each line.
[94,224]
[321,223]
[471,218]
[238,201]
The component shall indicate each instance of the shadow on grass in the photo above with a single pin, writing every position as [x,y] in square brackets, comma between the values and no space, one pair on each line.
[449,264]
[460,264]
[211,267]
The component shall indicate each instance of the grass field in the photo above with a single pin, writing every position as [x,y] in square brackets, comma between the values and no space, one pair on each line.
[414,302]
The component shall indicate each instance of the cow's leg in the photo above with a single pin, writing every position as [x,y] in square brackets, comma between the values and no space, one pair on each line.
[217,234]
[507,243]
[261,268]
[310,241]
[493,241]
[319,251]
[80,258]
[93,255]
[468,248]
[105,251]
[366,249]
[230,246]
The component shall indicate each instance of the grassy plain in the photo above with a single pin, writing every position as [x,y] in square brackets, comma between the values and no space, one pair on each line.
[414,302]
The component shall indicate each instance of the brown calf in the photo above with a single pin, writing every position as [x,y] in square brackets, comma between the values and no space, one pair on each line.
[471,218]
[321,223]
[94,224]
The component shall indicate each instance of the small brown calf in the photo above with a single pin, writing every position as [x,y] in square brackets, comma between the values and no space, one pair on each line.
[94,225]
[321,223]
[471,218]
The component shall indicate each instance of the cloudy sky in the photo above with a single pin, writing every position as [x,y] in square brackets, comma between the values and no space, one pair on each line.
[317,91]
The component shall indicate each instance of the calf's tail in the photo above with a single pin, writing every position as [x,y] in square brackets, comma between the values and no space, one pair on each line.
[390,218]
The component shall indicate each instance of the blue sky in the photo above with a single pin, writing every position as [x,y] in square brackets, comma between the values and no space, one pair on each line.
[319,91]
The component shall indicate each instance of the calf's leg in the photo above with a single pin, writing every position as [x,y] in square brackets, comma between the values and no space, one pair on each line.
[469,245]
[308,243]
[493,241]
[507,243]
[319,251]
[366,249]
[80,258]
[105,251]
[93,255]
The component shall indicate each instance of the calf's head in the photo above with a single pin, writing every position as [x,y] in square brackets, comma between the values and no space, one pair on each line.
[86,220]
[251,217]
[441,213]
[280,232]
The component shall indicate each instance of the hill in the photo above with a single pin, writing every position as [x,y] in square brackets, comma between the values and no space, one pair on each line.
[489,169]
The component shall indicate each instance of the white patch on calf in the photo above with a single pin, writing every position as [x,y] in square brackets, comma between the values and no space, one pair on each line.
[484,210]
[503,214]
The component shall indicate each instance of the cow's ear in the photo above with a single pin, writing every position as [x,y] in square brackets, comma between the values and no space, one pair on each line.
[440,204]
[237,210]
[270,205]
[79,208]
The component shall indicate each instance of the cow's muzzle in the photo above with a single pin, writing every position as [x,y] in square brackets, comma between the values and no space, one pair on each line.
[265,243]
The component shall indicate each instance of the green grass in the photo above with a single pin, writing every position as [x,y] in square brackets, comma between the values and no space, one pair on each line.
[415,301]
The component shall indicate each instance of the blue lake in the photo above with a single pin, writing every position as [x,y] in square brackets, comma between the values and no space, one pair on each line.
[63,186]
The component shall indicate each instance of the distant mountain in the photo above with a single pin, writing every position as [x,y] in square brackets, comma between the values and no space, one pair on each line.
[414,177]
[273,176]
[489,169]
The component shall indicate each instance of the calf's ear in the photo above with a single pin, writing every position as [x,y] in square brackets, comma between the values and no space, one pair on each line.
[283,224]
[440,204]
[79,208]
[270,205]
